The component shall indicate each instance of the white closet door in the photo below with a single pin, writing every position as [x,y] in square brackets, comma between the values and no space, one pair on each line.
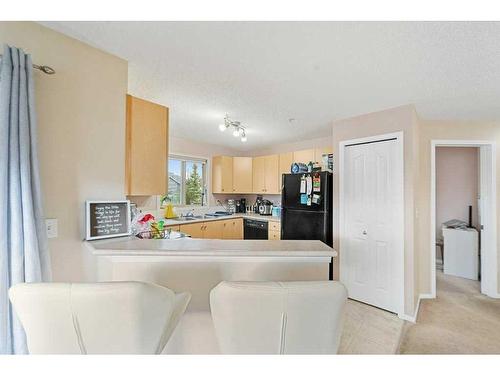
[371,187]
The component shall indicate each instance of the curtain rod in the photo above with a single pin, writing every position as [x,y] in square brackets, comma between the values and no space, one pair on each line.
[43,68]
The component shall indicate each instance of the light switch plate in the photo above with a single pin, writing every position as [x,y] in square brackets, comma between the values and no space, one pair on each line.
[51,227]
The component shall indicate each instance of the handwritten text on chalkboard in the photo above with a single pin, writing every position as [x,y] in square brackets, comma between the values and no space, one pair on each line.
[108,219]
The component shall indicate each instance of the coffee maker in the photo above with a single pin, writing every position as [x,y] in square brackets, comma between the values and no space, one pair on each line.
[241,205]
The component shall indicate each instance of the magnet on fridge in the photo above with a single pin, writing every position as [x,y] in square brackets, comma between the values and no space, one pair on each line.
[316,183]
[308,185]
[303,184]
[316,198]
[303,198]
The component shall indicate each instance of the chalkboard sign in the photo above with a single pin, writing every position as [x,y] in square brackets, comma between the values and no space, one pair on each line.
[107,219]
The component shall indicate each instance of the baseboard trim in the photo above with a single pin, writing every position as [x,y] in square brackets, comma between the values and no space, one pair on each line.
[413,318]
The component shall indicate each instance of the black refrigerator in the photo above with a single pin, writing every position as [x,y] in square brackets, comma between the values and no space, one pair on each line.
[300,221]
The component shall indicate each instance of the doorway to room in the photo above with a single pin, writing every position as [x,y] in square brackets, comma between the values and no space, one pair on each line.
[463,215]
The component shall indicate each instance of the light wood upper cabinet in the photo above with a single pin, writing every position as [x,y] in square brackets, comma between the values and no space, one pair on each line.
[242,175]
[303,156]
[146,148]
[272,174]
[286,161]
[266,174]
[259,174]
[222,174]
[318,153]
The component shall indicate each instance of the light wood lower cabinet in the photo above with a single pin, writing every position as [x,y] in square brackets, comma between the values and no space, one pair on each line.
[231,229]
[273,235]
[274,232]
[194,230]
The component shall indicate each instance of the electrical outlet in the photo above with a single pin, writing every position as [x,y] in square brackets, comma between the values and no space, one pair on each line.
[51,228]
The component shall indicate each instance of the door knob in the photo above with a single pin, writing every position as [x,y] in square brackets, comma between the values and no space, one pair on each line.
[364,232]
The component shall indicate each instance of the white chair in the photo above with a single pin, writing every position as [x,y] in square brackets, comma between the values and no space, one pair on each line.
[278,317]
[100,318]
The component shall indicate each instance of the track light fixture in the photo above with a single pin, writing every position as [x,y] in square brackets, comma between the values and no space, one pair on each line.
[238,129]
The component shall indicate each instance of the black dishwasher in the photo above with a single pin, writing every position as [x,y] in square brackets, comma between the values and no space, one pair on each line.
[255,230]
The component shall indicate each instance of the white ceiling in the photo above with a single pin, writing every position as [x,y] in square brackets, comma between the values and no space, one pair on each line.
[263,73]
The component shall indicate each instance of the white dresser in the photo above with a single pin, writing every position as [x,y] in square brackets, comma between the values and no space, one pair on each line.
[461,252]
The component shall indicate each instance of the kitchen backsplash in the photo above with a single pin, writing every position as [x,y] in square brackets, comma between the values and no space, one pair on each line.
[151,204]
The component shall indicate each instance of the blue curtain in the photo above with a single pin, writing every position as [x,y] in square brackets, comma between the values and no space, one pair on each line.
[23,243]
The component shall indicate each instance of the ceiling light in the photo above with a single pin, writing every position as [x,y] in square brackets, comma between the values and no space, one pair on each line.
[238,130]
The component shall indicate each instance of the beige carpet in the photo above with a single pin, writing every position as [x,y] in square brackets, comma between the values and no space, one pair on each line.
[459,321]
[368,330]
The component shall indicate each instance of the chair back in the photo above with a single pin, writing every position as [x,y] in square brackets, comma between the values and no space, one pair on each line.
[98,318]
[278,317]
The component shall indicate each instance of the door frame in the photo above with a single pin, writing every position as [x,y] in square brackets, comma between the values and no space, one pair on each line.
[489,273]
[400,291]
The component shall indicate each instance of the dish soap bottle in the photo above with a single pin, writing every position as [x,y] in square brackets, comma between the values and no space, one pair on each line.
[169,208]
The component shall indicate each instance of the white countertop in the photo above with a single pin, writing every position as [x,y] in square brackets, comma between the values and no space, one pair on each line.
[189,247]
[228,217]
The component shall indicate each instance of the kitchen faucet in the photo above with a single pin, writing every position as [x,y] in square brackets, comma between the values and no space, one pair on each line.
[190,213]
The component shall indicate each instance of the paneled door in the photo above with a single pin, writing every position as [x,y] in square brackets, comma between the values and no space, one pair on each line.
[371,246]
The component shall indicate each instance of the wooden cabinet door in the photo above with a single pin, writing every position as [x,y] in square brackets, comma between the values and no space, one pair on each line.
[303,156]
[273,235]
[286,161]
[318,153]
[195,230]
[222,174]
[227,229]
[213,229]
[272,174]
[259,174]
[237,225]
[242,174]
[146,148]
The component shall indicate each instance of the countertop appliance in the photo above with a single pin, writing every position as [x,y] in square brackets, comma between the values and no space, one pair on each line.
[300,221]
[231,207]
[256,206]
[241,205]
[255,229]
[266,207]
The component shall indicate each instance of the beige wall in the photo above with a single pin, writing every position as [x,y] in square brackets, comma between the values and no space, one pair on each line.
[457,180]
[441,130]
[389,121]
[81,132]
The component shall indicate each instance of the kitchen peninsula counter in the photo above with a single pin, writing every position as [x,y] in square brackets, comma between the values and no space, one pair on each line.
[198,265]
[189,247]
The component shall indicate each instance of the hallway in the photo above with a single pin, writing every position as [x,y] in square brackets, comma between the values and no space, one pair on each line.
[459,321]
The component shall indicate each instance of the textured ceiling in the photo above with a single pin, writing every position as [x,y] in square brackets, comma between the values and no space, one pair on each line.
[264,73]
